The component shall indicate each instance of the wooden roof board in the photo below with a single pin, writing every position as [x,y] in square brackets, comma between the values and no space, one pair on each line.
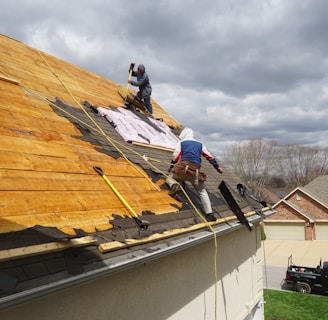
[50,140]
[54,152]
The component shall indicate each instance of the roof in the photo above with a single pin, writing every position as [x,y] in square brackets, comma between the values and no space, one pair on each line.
[318,189]
[315,190]
[62,221]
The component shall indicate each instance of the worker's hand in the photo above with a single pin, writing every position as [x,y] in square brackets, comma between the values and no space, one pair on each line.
[132,64]
[171,166]
[129,81]
[220,170]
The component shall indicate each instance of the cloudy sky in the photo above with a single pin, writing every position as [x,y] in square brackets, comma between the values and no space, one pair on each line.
[229,69]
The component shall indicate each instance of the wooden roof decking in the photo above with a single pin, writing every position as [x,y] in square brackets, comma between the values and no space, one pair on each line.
[47,174]
[50,141]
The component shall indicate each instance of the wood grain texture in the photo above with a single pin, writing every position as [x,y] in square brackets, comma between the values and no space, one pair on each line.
[46,168]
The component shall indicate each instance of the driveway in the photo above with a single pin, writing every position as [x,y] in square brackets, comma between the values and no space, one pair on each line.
[307,253]
[275,259]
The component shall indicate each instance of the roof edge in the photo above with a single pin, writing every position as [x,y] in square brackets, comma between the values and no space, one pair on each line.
[127,261]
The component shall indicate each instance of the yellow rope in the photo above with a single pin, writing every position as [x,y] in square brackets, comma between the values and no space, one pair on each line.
[111,141]
[208,225]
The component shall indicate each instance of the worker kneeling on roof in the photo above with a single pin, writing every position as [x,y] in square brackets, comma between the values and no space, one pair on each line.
[143,83]
[186,165]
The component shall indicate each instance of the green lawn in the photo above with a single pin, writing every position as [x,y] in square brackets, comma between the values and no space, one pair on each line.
[284,305]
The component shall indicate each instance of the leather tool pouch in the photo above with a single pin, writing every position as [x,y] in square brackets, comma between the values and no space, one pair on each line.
[187,171]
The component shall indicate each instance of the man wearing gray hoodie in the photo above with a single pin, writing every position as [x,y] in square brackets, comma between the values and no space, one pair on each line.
[186,165]
[143,83]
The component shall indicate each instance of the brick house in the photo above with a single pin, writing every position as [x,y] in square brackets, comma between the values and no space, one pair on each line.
[302,214]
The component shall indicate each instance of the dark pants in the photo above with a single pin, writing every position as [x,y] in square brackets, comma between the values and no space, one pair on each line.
[147,102]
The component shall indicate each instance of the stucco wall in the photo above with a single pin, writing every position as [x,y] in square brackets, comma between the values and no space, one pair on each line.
[179,286]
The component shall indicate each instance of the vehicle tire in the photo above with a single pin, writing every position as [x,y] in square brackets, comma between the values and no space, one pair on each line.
[303,287]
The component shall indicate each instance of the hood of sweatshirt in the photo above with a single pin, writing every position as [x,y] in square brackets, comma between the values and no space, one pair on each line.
[142,68]
[186,133]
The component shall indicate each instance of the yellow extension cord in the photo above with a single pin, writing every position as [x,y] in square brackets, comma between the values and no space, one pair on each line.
[114,143]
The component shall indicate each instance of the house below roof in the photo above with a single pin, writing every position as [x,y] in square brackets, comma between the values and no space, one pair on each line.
[302,214]
[88,228]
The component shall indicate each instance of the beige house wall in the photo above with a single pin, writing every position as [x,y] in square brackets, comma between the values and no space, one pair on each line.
[175,287]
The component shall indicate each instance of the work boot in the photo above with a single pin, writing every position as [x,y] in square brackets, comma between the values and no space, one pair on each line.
[210,217]
[175,189]
[137,98]
[130,106]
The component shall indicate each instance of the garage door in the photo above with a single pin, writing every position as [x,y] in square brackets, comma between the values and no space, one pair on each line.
[321,231]
[284,231]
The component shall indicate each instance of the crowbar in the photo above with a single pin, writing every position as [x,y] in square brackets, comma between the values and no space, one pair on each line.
[128,85]
[234,205]
[143,225]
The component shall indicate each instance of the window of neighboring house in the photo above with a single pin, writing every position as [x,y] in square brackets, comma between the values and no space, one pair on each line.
[298,197]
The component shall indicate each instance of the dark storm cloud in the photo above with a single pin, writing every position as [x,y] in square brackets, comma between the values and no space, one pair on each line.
[231,70]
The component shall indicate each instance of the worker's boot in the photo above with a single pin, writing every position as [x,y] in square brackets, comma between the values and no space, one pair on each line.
[137,98]
[175,189]
[210,217]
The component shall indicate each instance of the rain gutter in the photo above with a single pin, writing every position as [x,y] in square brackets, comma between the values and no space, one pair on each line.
[130,260]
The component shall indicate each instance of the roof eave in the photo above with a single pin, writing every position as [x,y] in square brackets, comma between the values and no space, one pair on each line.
[128,261]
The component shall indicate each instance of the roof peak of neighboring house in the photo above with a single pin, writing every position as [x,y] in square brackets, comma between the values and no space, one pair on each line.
[319,188]
[299,210]
[304,191]
[319,179]
[316,189]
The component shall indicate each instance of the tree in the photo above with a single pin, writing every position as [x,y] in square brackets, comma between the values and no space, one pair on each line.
[258,163]
[253,161]
[300,164]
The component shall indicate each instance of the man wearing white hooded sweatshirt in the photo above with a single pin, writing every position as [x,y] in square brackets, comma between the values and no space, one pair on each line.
[186,165]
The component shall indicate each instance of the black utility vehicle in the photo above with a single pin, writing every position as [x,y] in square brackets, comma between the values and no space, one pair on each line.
[307,279]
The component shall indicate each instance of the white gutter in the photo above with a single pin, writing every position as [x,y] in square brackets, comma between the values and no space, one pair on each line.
[127,261]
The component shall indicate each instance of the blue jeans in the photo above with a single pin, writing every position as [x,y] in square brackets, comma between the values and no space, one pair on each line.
[148,105]
[147,102]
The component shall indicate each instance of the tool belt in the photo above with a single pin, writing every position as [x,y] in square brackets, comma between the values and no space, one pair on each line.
[188,171]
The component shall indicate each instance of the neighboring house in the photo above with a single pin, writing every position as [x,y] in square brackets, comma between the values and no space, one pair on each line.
[302,214]
[75,244]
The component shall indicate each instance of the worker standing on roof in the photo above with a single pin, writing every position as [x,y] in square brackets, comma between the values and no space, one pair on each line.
[186,165]
[143,83]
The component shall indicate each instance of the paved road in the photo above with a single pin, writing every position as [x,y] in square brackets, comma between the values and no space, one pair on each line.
[273,278]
